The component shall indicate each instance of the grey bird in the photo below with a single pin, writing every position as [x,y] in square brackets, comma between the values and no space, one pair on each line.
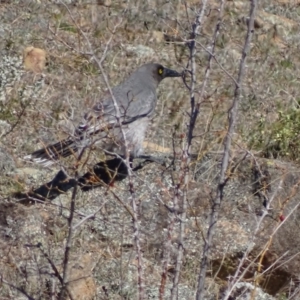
[136,100]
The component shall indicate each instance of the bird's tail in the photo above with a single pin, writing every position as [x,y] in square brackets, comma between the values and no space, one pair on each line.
[48,155]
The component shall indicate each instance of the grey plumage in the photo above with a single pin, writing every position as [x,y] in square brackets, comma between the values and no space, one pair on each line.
[136,100]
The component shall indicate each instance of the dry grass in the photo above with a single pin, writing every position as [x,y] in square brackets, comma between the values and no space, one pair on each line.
[41,108]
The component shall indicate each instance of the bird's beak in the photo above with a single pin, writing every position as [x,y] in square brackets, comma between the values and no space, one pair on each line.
[171,73]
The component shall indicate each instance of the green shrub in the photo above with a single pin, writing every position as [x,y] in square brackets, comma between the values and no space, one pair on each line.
[281,138]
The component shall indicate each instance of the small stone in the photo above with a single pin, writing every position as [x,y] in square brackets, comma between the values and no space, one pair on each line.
[34,59]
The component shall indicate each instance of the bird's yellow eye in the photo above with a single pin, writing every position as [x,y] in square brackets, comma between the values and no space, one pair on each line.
[160,71]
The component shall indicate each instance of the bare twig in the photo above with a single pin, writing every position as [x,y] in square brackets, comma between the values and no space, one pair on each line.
[241,269]
[186,159]
[20,290]
[88,217]
[20,115]
[239,273]
[136,229]
[232,116]
[217,61]
[67,252]
[72,205]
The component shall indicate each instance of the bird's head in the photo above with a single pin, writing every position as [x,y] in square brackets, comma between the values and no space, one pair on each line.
[156,72]
[160,72]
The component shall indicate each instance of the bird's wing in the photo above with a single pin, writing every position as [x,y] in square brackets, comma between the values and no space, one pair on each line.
[138,105]
[103,117]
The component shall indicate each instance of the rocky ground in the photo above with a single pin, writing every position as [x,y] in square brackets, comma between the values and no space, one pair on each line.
[48,78]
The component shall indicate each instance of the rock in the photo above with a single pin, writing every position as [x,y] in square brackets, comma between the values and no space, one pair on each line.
[246,291]
[184,292]
[140,51]
[82,284]
[7,163]
[33,176]
[4,127]
[10,73]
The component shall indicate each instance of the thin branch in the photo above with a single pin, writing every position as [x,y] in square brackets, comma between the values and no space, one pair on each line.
[18,120]
[232,116]
[239,274]
[241,270]
[217,61]
[88,217]
[21,290]
[62,294]
[136,230]
[186,159]
[66,260]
